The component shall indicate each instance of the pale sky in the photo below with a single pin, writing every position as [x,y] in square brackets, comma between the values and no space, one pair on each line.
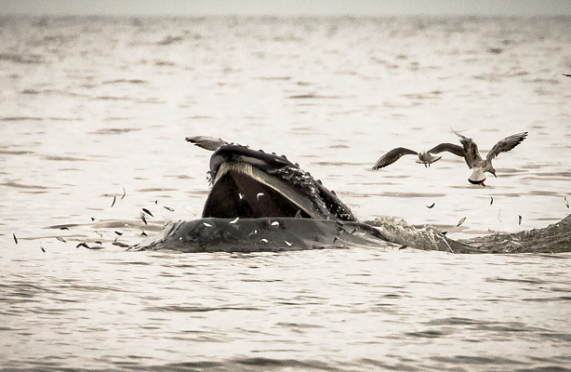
[286,7]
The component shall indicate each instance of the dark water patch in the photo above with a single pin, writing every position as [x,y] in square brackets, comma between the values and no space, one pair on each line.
[542,81]
[30,91]
[63,158]
[548,299]
[152,101]
[420,96]
[513,327]
[565,337]
[197,309]
[199,366]
[163,63]
[64,119]
[15,152]
[115,118]
[269,364]
[510,280]
[115,131]
[298,325]
[474,360]
[170,40]
[20,118]
[21,58]
[544,193]
[547,368]
[382,366]
[125,81]
[453,321]
[554,174]
[155,189]
[112,98]
[428,334]
[274,78]
[316,96]
[23,186]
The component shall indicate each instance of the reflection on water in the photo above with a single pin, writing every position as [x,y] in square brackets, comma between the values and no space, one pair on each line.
[97,108]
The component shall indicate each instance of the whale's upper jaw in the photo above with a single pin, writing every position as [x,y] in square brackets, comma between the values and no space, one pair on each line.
[253,184]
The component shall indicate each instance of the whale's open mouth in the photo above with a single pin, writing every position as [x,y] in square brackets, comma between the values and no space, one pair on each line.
[253,184]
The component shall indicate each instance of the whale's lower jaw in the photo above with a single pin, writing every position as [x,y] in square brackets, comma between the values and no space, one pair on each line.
[241,190]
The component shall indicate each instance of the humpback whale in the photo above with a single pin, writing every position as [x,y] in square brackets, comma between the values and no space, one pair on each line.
[262,202]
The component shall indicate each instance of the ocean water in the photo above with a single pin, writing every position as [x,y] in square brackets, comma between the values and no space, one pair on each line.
[93,116]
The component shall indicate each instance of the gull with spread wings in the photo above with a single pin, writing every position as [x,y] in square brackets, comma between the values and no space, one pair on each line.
[478,165]
[468,150]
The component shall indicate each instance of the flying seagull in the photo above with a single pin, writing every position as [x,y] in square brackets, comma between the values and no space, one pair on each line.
[474,160]
[468,151]
[424,157]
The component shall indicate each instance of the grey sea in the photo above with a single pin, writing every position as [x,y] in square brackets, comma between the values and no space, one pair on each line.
[93,116]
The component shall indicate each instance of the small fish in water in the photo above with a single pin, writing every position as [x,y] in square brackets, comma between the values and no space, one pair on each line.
[520,220]
[43,250]
[461,221]
[566,202]
[168,208]
[207,224]
[124,193]
[148,212]
[335,239]
[275,223]
[82,245]
[142,215]
[264,240]
[118,233]
[15,239]
[92,219]
[234,220]
[430,206]
[259,195]
[491,200]
[61,239]
[288,243]
[156,201]
[143,233]
[64,228]
[114,200]
[240,196]
[403,247]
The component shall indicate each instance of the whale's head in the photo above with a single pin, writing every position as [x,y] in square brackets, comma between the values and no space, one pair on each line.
[248,183]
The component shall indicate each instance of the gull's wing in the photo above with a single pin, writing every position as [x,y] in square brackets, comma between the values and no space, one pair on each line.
[208,143]
[471,153]
[454,149]
[506,144]
[392,156]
